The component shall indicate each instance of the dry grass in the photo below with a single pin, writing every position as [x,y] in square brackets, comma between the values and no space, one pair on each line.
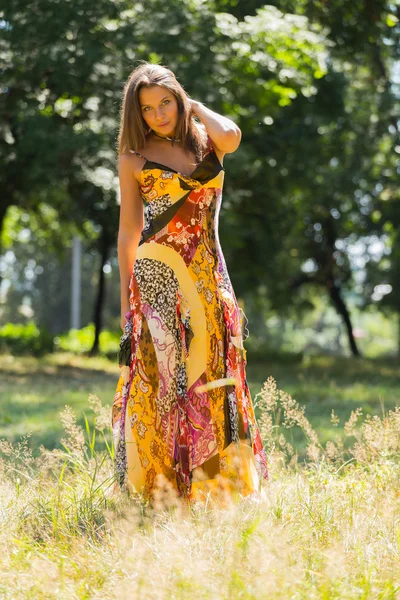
[328,528]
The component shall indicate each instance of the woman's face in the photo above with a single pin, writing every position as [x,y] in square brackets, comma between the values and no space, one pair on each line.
[159,109]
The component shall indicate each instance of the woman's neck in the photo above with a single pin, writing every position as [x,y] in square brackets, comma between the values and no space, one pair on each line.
[168,138]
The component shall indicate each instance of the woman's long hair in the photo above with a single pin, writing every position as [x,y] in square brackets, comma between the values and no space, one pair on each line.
[134,129]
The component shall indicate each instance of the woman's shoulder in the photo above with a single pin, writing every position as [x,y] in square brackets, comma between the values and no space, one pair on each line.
[130,157]
[133,161]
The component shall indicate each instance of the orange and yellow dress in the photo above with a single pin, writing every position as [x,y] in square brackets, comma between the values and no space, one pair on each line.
[182,407]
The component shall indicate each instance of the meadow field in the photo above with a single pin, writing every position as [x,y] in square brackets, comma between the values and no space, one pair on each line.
[327,527]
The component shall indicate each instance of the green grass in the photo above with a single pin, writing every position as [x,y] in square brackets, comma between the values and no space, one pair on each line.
[328,527]
[33,391]
[323,384]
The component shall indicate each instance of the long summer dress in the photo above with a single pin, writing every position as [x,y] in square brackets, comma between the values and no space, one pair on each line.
[182,406]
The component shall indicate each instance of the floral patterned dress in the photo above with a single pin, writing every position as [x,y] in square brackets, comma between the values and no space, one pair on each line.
[182,408]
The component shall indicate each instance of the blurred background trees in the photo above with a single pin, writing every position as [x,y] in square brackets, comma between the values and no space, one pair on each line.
[310,218]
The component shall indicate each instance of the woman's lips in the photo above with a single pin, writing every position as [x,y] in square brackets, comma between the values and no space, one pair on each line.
[164,124]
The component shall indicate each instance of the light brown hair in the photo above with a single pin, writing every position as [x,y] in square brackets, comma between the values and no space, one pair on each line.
[134,129]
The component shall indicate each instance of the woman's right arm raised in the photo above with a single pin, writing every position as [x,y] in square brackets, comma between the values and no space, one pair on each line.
[131,222]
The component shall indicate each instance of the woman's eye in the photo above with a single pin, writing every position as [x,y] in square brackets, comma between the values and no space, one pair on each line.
[148,107]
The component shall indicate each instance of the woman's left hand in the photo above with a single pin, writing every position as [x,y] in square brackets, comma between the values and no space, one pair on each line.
[193,106]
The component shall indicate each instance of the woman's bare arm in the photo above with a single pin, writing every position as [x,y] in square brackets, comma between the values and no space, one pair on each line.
[130,226]
[224,132]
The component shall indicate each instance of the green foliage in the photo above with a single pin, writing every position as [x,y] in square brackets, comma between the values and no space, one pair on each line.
[25,339]
[80,341]
[311,84]
[37,268]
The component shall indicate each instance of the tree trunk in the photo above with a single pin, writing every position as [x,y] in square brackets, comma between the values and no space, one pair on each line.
[98,311]
[334,290]
[336,297]
[338,302]
[3,211]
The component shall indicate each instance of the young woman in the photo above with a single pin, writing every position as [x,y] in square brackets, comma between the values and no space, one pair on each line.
[182,411]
